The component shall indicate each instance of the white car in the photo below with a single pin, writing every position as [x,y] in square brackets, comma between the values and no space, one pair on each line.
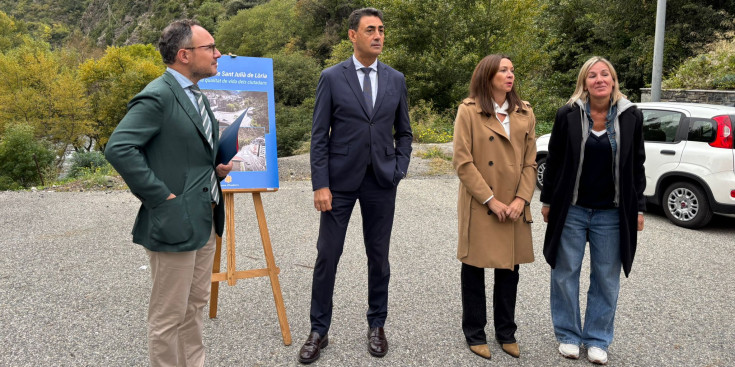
[690,160]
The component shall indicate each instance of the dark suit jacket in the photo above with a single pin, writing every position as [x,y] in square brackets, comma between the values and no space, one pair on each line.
[344,138]
[159,148]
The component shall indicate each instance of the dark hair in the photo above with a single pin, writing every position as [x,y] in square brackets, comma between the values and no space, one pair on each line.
[174,37]
[481,85]
[354,19]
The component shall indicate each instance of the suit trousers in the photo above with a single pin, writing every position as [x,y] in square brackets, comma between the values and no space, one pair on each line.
[474,305]
[181,286]
[377,206]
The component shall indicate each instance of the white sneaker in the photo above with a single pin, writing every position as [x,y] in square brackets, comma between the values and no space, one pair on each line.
[570,351]
[596,355]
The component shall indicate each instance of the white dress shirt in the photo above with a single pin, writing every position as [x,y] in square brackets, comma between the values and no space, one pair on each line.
[373,76]
[185,83]
[506,121]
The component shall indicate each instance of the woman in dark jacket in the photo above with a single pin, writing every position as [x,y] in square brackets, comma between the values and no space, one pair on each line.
[593,190]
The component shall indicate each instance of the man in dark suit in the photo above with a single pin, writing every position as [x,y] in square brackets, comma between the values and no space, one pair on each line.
[164,148]
[360,149]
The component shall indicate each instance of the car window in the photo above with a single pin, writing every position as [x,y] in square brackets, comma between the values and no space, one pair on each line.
[661,125]
[702,130]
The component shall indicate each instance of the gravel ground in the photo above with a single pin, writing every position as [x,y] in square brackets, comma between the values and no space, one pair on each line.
[74,289]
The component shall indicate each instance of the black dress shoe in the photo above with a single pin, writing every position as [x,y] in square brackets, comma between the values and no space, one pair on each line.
[313,345]
[377,343]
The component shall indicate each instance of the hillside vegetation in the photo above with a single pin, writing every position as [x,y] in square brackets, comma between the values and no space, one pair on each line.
[68,67]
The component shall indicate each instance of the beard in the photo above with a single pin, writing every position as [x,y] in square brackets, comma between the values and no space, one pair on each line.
[202,73]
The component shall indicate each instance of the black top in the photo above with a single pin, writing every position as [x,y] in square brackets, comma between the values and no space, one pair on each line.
[596,184]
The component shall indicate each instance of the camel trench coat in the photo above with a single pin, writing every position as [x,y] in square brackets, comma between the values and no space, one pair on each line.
[488,163]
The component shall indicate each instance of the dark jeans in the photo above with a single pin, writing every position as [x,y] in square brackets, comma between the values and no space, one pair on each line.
[474,314]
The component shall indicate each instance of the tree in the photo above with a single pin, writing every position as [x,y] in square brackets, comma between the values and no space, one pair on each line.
[43,92]
[113,80]
[622,31]
[324,23]
[295,75]
[22,157]
[294,126]
[711,70]
[261,30]
[209,14]
[437,44]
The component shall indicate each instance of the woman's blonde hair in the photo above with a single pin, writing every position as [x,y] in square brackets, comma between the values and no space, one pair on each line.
[581,93]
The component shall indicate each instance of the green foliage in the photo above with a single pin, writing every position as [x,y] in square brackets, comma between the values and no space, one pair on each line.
[726,82]
[544,103]
[11,32]
[295,75]
[712,70]
[113,80]
[232,7]
[85,162]
[209,14]
[434,152]
[19,153]
[41,88]
[437,44]
[428,126]
[86,178]
[325,24]
[261,30]
[293,125]
[46,11]
[623,32]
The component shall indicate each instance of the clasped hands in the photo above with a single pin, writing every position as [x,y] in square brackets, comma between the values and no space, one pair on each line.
[512,211]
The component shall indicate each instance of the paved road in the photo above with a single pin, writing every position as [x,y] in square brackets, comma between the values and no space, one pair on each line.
[73,289]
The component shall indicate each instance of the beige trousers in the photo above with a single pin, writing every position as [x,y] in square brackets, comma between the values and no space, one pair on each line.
[181,287]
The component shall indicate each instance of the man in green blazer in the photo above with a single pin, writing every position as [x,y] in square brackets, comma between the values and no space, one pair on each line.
[165,148]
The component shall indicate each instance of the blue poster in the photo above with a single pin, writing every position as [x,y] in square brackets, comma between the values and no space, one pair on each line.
[243,89]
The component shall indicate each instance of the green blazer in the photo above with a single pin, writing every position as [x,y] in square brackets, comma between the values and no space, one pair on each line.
[159,148]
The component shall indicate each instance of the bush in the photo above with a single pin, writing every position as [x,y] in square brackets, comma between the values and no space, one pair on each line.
[19,154]
[294,126]
[292,88]
[726,82]
[712,70]
[434,152]
[429,126]
[84,162]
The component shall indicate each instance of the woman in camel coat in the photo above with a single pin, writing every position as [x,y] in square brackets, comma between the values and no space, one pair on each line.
[495,159]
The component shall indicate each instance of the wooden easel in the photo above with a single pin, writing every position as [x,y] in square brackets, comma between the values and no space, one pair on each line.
[232,275]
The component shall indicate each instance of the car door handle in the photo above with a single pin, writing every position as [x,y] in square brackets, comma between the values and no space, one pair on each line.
[668,152]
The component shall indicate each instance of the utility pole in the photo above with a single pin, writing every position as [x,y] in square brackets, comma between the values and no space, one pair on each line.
[658,51]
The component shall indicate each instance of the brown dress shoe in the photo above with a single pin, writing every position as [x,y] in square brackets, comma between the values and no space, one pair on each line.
[313,345]
[513,349]
[481,350]
[377,342]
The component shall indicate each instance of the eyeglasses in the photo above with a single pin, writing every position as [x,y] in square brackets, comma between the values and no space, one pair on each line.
[211,47]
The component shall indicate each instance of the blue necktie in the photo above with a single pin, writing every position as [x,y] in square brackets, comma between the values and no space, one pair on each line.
[367,90]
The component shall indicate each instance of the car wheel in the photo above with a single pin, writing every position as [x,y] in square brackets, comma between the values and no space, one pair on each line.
[541,168]
[686,205]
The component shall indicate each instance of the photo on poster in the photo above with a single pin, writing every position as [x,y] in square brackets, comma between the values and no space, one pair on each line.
[242,93]
[227,106]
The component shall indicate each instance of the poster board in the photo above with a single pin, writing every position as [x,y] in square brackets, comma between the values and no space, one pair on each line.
[244,85]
